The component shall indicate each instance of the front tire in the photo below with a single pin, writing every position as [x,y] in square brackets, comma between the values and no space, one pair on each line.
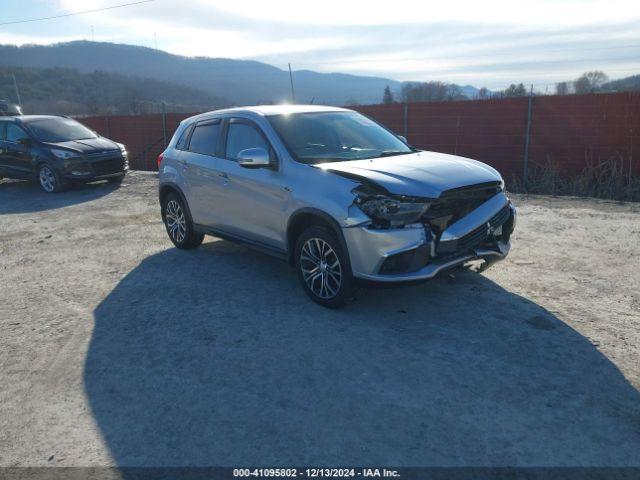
[323,267]
[49,179]
[178,224]
[116,180]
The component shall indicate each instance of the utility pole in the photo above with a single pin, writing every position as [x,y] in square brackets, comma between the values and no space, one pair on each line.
[15,84]
[293,96]
[155,38]
[93,37]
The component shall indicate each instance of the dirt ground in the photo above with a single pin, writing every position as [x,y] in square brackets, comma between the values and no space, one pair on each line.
[118,349]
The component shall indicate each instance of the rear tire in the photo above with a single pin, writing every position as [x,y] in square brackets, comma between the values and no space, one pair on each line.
[178,224]
[49,179]
[323,267]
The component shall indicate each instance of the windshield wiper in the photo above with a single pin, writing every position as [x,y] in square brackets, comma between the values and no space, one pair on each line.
[391,153]
[313,161]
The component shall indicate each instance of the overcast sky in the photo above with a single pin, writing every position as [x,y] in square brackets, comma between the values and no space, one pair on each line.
[484,43]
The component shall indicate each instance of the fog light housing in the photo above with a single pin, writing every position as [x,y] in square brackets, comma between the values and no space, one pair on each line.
[404,262]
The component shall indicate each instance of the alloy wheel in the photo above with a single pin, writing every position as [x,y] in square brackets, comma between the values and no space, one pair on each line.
[176,222]
[321,269]
[47,179]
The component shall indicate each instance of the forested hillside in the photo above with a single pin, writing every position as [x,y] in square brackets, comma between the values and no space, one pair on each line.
[67,91]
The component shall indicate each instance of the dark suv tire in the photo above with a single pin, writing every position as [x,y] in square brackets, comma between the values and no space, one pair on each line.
[49,179]
[116,180]
[178,224]
[323,267]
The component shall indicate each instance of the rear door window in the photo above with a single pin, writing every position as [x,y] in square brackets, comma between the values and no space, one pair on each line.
[205,138]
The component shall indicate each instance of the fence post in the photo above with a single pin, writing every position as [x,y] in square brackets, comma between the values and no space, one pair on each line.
[526,139]
[455,148]
[630,161]
[405,122]
[164,123]
[108,118]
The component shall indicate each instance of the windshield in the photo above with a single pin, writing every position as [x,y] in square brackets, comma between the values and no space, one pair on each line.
[56,130]
[318,137]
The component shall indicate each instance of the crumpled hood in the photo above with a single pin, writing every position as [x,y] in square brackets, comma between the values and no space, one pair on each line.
[422,174]
[89,145]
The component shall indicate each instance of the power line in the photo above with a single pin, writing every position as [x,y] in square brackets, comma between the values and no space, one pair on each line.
[76,13]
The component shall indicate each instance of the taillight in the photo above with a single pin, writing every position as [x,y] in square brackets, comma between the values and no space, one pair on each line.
[160,157]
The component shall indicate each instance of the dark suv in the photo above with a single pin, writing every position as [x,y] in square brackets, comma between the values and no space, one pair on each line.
[9,109]
[57,151]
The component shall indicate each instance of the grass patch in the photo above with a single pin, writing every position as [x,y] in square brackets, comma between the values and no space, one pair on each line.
[610,178]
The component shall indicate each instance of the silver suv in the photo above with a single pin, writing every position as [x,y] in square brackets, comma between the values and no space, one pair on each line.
[334,193]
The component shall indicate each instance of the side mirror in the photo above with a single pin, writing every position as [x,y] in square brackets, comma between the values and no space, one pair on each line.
[254,158]
[25,142]
[404,139]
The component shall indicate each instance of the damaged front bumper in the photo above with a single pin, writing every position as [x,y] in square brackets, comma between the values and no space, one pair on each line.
[414,253]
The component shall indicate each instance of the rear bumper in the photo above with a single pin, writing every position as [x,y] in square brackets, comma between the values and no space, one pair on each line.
[420,256]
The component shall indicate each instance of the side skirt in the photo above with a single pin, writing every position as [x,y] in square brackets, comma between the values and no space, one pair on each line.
[259,246]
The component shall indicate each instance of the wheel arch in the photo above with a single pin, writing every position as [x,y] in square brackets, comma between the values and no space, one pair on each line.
[307,217]
[166,189]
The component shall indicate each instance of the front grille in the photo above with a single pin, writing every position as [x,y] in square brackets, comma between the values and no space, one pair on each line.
[109,165]
[456,203]
[103,155]
[477,236]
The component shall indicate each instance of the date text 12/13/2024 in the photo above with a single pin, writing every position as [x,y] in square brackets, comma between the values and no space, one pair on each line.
[315,472]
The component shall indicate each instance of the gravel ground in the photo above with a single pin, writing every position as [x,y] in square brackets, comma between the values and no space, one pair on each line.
[117,349]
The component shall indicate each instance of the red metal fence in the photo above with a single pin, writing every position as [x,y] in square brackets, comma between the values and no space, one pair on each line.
[570,131]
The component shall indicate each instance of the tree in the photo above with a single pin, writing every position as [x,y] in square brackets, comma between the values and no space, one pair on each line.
[430,92]
[590,82]
[454,92]
[562,88]
[515,91]
[387,96]
[484,93]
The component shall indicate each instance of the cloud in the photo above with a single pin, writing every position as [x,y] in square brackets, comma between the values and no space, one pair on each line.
[494,42]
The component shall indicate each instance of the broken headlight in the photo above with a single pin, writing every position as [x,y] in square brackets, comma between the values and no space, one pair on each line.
[389,211]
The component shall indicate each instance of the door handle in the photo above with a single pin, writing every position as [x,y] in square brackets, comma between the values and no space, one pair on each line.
[223,175]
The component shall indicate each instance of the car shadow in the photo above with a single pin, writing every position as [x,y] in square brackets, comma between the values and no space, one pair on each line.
[216,357]
[21,196]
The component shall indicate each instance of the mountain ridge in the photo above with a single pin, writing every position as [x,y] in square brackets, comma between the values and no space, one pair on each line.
[240,81]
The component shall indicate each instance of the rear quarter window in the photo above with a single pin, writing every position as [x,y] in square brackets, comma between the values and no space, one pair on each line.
[184,138]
